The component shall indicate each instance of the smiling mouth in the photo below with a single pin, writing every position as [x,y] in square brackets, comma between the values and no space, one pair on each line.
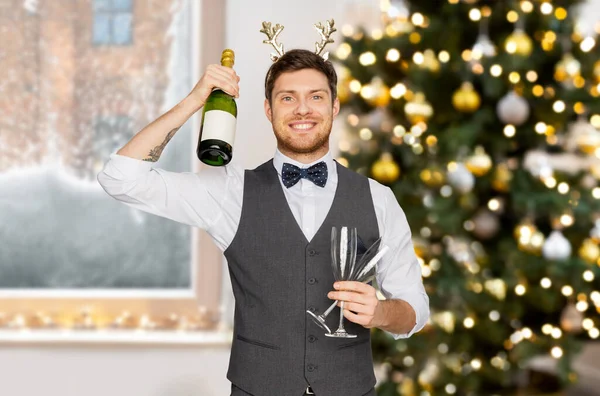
[302,126]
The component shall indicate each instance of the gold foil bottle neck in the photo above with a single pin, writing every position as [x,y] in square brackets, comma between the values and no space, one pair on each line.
[227,58]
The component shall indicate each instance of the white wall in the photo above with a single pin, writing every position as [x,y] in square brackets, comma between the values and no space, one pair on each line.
[254,139]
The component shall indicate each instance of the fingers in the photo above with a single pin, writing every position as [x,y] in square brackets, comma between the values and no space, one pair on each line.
[350,297]
[224,78]
[359,309]
[357,287]
[363,320]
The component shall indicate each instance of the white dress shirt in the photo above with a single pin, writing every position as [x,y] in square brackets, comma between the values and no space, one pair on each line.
[212,200]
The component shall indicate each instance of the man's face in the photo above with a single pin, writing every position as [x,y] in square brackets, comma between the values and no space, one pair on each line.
[301,112]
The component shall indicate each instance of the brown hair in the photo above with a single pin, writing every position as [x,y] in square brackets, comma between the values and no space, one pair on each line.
[299,59]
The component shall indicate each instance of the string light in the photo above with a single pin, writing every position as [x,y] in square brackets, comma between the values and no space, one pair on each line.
[546,283]
[563,188]
[567,291]
[526,6]
[509,131]
[365,134]
[558,106]
[418,58]
[560,13]
[496,70]
[343,51]
[587,44]
[393,55]
[469,322]
[367,58]
[531,76]
[417,19]
[475,14]
[556,352]
[85,319]
[512,16]
[546,8]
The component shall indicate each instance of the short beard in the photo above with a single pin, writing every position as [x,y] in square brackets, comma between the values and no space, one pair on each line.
[283,144]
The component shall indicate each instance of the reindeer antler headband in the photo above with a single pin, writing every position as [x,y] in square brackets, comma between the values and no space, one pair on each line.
[273,32]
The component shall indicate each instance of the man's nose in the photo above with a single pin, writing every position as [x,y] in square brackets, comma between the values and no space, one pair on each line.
[302,108]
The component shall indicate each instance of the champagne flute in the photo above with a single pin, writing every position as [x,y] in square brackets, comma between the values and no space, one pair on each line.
[355,269]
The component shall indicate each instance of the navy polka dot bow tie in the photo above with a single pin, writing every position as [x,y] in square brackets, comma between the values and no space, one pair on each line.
[291,174]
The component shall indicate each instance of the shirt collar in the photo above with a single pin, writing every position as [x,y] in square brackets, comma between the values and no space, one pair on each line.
[279,159]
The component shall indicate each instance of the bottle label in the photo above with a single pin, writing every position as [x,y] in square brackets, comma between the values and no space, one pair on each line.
[219,125]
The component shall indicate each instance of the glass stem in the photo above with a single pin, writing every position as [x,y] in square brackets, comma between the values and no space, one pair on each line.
[329,309]
[341,328]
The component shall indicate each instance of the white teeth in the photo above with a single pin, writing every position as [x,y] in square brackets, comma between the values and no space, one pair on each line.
[302,126]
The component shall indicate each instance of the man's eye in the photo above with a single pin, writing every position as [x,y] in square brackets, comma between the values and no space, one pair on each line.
[286,98]
[317,97]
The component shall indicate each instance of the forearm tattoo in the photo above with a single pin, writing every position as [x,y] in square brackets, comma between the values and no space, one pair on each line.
[155,153]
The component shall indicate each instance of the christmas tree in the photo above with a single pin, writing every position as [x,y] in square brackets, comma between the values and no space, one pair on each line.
[482,117]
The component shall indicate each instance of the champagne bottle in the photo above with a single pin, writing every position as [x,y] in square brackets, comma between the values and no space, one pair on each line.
[219,117]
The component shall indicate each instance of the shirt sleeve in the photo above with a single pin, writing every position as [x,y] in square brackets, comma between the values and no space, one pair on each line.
[399,273]
[194,199]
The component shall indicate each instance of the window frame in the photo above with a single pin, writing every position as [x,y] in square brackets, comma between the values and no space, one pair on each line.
[21,310]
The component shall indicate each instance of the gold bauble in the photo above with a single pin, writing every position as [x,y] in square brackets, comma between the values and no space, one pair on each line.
[382,97]
[418,109]
[421,247]
[343,91]
[502,178]
[479,163]
[406,387]
[376,93]
[597,70]
[466,99]
[445,320]
[571,319]
[385,170]
[589,251]
[529,238]
[535,244]
[518,43]
[433,176]
[496,287]
[567,68]
[595,170]
[430,61]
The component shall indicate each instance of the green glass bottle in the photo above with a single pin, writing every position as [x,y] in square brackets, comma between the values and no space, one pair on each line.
[219,118]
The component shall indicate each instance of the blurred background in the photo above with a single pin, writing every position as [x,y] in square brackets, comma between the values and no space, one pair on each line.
[482,116]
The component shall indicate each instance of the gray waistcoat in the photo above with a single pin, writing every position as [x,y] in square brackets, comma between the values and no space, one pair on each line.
[276,276]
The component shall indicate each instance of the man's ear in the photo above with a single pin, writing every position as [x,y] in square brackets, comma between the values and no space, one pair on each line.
[336,107]
[268,111]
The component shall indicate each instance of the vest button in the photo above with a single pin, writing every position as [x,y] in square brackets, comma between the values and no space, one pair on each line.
[312,281]
[312,252]
[311,367]
[312,309]
[312,338]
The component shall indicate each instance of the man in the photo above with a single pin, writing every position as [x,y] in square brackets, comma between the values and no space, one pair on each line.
[274,223]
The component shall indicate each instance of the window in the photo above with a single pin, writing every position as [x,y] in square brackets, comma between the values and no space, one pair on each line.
[110,133]
[113,20]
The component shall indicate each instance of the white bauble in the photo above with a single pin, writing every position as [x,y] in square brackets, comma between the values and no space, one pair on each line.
[556,247]
[513,109]
[486,224]
[461,178]
[483,47]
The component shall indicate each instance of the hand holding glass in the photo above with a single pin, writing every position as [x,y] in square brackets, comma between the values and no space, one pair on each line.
[345,268]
